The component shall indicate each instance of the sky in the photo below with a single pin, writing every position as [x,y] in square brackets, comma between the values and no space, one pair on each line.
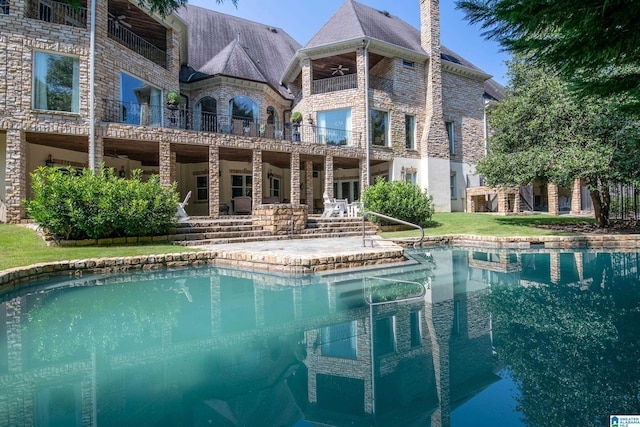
[301,19]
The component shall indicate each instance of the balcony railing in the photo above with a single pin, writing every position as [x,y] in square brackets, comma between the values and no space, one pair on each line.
[334,84]
[55,12]
[131,40]
[182,118]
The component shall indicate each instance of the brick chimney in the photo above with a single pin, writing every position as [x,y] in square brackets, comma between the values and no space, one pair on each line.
[434,147]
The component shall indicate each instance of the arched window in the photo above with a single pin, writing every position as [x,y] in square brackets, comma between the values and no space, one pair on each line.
[243,108]
[205,116]
[244,116]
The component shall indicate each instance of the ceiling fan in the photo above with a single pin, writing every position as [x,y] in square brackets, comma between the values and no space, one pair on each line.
[119,21]
[339,70]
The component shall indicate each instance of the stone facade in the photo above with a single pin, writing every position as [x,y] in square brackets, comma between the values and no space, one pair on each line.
[403,83]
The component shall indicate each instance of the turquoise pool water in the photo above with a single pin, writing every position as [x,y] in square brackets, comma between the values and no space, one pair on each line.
[455,337]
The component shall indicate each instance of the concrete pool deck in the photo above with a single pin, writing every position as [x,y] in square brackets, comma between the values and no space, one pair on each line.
[307,255]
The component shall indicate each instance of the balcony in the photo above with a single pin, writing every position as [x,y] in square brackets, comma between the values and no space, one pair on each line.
[118,32]
[334,84]
[55,12]
[182,118]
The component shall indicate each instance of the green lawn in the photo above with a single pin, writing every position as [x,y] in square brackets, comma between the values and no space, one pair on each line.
[492,225]
[21,246]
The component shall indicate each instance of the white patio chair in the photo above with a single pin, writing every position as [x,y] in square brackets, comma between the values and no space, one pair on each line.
[333,207]
[182,213]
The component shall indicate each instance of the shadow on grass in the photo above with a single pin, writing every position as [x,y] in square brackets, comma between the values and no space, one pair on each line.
[432,224]
[535,221]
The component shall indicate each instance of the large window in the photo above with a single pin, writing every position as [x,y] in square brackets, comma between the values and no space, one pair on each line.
[202,188]
[340,340]
[56,82]
[242,107]
[141,103]
[205,117]
[451,135]
[410,132]
[334,127]
[379,128]
[452,183]
[241,185]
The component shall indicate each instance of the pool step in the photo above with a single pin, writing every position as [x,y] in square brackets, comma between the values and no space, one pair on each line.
[206,231]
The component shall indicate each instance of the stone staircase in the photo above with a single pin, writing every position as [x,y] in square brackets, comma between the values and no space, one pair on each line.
[236,229]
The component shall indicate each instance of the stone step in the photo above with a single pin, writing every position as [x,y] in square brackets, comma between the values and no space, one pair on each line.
[217,235]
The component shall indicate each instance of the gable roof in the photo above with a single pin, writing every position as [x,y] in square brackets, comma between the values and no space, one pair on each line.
[220,44]
[355,20]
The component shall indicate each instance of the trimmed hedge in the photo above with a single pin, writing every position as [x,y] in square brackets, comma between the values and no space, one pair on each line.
[399,199]
[89,205]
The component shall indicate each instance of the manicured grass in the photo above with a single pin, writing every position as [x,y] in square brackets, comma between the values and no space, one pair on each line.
[492,225]
[20,246]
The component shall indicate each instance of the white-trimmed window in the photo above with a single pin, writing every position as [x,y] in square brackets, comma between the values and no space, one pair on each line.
[416,328]
[202,188]
[385,336]
[56,82]
[410,132]
[379,128]
[451,136]
[241,185]
[334,127]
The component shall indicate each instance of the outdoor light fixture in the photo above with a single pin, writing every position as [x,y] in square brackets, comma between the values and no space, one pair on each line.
[310,120]
[270,175]
[49,162]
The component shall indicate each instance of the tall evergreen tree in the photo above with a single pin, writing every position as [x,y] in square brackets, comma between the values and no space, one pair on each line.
[593,44]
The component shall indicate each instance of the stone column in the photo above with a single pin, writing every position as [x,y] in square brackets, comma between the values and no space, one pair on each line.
[328,175]
[295,177]
[554,266]
[165,164]
[364,174]
[308,169]
[503,201]
[16,175]
[214,181]
[516,201]
[99,153]
[552,197]
[576,197]
[257,179]
[307,78]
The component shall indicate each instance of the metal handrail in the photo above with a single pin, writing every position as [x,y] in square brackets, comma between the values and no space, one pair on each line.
[389,218]
[367,297]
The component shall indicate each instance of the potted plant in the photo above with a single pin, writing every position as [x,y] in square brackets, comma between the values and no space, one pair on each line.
[296,119]
[173,100]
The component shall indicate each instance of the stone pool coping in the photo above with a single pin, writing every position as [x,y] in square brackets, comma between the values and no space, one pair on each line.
[299,255]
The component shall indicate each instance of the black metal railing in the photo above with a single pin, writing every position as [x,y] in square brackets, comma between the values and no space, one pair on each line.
[134,42]
[333,84]
[183,118]
[53,11]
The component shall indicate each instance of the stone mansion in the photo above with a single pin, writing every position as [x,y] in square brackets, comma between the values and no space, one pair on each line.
[227,107]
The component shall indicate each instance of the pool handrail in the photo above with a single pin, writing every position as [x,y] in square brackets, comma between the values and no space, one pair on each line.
[415,241]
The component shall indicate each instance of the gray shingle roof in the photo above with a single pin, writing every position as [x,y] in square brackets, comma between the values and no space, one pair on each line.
[353,20]
[221,44]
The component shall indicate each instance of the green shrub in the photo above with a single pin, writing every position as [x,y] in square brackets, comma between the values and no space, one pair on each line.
[94,206]
[400,200]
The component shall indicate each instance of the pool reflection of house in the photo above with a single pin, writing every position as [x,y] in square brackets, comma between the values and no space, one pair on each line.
[238,347]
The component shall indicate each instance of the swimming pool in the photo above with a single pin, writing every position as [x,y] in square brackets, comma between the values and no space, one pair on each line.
[455,337]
